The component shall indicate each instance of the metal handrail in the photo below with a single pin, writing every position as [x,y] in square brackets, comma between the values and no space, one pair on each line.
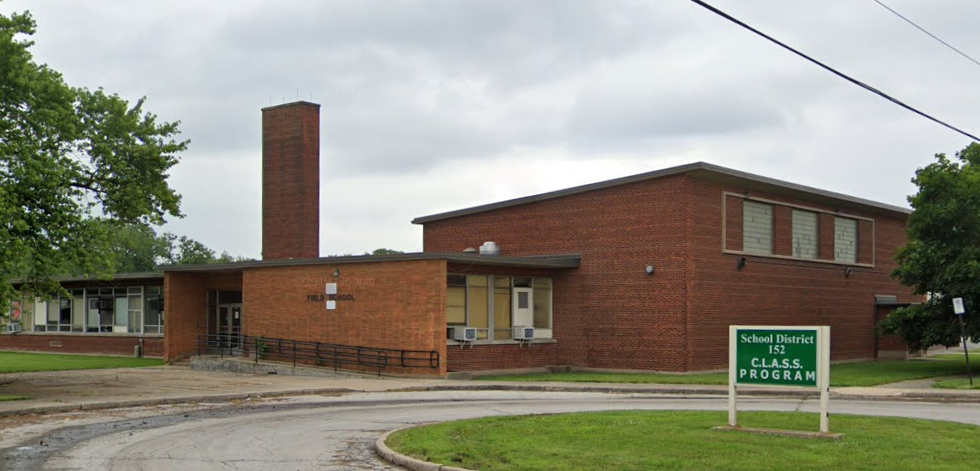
[320,354]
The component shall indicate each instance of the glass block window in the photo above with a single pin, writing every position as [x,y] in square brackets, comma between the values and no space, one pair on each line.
[845,240]
[757,228]
[804,234]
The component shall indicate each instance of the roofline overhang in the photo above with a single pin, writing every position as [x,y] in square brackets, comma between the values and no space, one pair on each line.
[147,275]
[701,170]
[559,261]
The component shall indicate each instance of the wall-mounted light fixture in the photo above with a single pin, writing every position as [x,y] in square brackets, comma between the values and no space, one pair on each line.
[740,263]
[847,272]
[649,269]
[336,273]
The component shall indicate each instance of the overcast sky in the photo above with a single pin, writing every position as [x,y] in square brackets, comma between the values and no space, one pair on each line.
[438,105]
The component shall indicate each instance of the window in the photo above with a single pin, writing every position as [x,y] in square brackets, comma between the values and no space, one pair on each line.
[757,228]
[845,240]
[97,310]
[501,308]
[456,300]
[16,312]
[542,303]
[478,304]
[134,309]
[22,312]
[153,310]
[804,234]
[78,310]
[486,303]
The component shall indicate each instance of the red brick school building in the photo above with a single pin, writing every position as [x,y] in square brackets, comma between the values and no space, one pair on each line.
[638,273]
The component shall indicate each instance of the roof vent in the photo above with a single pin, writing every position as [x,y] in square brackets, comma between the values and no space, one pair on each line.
[469,250]
[489,248]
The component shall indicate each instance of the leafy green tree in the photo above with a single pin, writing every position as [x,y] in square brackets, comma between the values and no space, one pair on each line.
[384,251]
[187,251]
[942,255]
[70,160]
[137,248]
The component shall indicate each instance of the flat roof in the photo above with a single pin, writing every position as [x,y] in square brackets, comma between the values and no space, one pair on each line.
[700,170]
[539,261]
[146,275]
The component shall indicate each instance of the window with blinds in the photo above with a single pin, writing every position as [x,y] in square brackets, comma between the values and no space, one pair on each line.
[804,234]
[757,228]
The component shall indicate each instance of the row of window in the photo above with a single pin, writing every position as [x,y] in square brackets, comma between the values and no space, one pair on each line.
[757,233]
[130,310]
[495,304]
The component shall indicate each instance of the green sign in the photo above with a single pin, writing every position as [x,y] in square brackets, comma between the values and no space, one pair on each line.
[776,357]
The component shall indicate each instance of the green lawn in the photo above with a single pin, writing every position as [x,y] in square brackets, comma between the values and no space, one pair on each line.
[962,383]
[18,362]
[957,356]
[679,441]
[9,397]
[868,373]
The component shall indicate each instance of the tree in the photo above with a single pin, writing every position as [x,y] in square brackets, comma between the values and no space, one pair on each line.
[384,251]
[137,248]
[71,160]
[942,256]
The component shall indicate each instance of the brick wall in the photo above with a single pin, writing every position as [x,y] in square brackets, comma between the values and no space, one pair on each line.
[87,344]
[186,303]
[291,181]
[608,313]
[397,305]
[772,291]
[501,356]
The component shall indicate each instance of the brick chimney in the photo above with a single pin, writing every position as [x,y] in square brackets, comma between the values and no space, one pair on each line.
[291,181]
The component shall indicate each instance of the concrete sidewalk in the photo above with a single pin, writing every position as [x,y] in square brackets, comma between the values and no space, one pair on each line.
[58,391]
[95,389]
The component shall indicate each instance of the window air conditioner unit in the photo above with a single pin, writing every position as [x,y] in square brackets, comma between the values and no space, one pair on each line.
[523,333]
[13,328]
[464,334]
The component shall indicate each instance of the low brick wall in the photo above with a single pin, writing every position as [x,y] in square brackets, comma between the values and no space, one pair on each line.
[501,356]
[122,345]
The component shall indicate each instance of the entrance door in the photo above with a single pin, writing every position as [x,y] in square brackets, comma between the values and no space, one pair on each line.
[229,322]
[523,303]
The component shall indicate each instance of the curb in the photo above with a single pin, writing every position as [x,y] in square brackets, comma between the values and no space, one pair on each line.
[683,391]
[399,459]
[689,391]
[168,400]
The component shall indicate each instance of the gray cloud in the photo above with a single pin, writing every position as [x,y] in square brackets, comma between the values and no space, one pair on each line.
[439,104]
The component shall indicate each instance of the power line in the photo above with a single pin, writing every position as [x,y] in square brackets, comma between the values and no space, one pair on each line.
[933,36]
[834,71]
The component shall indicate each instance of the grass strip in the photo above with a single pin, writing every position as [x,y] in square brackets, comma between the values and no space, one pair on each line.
[682,441]
[19,362]
[10,397]
[962,383]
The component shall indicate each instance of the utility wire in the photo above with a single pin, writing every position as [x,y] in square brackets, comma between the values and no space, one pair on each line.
[933,36]
[834,71]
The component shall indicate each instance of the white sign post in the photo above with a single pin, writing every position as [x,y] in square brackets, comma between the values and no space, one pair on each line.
[782,356]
